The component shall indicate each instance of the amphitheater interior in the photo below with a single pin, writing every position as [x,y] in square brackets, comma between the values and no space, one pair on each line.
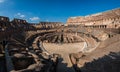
[26,47]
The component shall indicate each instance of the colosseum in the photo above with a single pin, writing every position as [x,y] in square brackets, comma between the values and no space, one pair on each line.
[85,44]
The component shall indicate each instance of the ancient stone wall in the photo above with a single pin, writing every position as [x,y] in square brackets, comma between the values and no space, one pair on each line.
[48,25]
[19,21]
[109,18]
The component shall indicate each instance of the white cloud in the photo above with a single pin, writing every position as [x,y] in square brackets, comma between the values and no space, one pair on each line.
[1,1]
[19,15]
[34,18]
[47,20]
[22,16]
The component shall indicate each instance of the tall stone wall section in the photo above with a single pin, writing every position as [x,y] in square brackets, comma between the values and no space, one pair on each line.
[108,19]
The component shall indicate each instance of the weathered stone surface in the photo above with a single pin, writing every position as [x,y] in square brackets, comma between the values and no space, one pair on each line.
[108,19]
[18,55]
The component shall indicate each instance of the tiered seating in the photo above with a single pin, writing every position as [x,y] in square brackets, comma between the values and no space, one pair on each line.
[91,44]
[108,63]
[17,52]
[36,43]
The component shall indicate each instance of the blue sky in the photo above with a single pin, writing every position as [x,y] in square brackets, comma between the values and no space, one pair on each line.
[53,10]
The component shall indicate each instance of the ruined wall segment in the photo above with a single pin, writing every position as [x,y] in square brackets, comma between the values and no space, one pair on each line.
[48,25]
[110,19]
[5,19]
